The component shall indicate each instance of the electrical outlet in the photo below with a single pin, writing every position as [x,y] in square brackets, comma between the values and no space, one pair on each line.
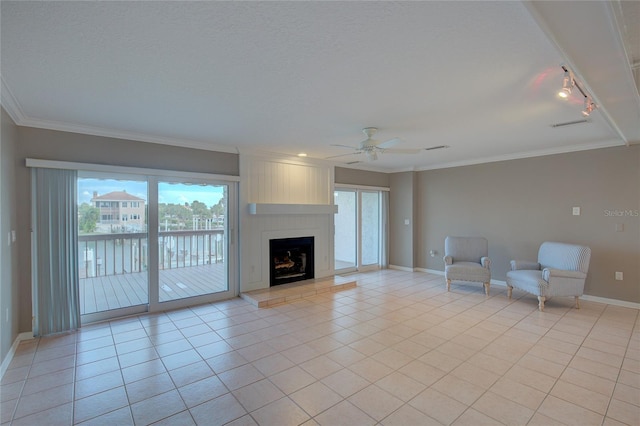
[619,276]
[576,211]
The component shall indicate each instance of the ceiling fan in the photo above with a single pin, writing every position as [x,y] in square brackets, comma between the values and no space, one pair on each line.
[371,147]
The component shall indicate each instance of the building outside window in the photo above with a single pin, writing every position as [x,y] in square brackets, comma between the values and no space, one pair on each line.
[120,211]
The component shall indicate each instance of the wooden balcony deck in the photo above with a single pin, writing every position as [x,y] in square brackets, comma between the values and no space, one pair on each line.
[118,291]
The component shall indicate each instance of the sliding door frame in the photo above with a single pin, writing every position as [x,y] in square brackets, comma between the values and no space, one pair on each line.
[152,176]
[382,226]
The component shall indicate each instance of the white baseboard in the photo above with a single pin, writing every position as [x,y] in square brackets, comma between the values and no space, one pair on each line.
[430,271]
[401,268]
[608,301]
[7,360]
[587,297]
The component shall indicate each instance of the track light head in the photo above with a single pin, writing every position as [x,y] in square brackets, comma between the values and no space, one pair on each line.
[569,81]
[589,106]
[567,85]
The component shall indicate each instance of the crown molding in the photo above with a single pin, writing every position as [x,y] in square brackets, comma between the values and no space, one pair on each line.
[609,143]
[13,108]
[527,154]
[10,104]
[610,30]
[258,154]
[122,134]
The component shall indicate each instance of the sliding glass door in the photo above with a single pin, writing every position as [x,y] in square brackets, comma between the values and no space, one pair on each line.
[112,244]
[370,228]
[192,239]
[359,240]
[346,231]
[148,244]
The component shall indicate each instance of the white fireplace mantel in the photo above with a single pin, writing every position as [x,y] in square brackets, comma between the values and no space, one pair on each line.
[263,208]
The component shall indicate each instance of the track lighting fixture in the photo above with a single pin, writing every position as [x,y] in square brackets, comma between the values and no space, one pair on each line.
[567,85]
[569,81]
[588,106]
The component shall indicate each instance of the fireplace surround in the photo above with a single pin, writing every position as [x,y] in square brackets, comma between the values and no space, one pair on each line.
[291,260]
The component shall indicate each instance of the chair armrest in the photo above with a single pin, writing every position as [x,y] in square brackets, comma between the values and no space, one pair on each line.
[448,260]
[517,265]
[548,273]
[485,262]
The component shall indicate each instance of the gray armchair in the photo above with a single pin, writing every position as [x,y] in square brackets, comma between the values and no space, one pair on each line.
[561,270]
[466,259]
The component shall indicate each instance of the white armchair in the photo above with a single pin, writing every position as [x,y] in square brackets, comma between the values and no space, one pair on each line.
[466,259]
[561,270]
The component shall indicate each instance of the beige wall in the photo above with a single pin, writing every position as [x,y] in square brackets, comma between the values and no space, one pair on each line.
[519,204]
[63,146]
[8,221]
[516,204]
[361,177]
[401,208]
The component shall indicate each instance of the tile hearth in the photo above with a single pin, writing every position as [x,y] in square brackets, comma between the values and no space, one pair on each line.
[284,293]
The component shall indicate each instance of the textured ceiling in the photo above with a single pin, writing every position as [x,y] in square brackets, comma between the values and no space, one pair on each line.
[291,77]
[630,23]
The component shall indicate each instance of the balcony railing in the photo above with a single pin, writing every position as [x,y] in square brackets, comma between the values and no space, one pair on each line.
[124,253]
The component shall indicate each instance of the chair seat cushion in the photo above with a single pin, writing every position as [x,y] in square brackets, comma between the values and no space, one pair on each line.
[528,280]
[467,271]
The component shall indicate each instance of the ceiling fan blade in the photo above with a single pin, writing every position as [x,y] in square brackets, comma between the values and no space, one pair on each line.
[344,155]
[344,146]
[401,151]
[389,143]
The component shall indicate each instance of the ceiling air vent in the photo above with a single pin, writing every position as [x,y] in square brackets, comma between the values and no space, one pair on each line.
[436,147]
[571,123]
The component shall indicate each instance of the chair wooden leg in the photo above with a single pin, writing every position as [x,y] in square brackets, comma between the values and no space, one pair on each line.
[541,300]
[448,285]
[577,303]
[486,288]
[509,291]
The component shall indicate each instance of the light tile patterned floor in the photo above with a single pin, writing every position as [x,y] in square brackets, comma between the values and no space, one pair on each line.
[396,350]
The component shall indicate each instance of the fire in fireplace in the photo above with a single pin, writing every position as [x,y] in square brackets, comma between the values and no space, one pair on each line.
[291,259]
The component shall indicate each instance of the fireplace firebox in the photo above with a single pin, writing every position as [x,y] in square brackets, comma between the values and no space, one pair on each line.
[291,259]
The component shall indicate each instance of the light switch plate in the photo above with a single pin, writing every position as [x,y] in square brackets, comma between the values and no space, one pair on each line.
[406,221]
[576,211]
[619,276]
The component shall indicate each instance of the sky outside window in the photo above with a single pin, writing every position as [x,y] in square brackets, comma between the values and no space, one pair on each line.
[169,193]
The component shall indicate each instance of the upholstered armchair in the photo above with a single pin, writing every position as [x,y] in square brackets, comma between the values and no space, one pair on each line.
[466,259]
[561,270]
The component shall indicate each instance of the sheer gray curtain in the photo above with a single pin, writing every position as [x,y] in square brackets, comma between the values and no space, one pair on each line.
[54,251]
[384,240]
